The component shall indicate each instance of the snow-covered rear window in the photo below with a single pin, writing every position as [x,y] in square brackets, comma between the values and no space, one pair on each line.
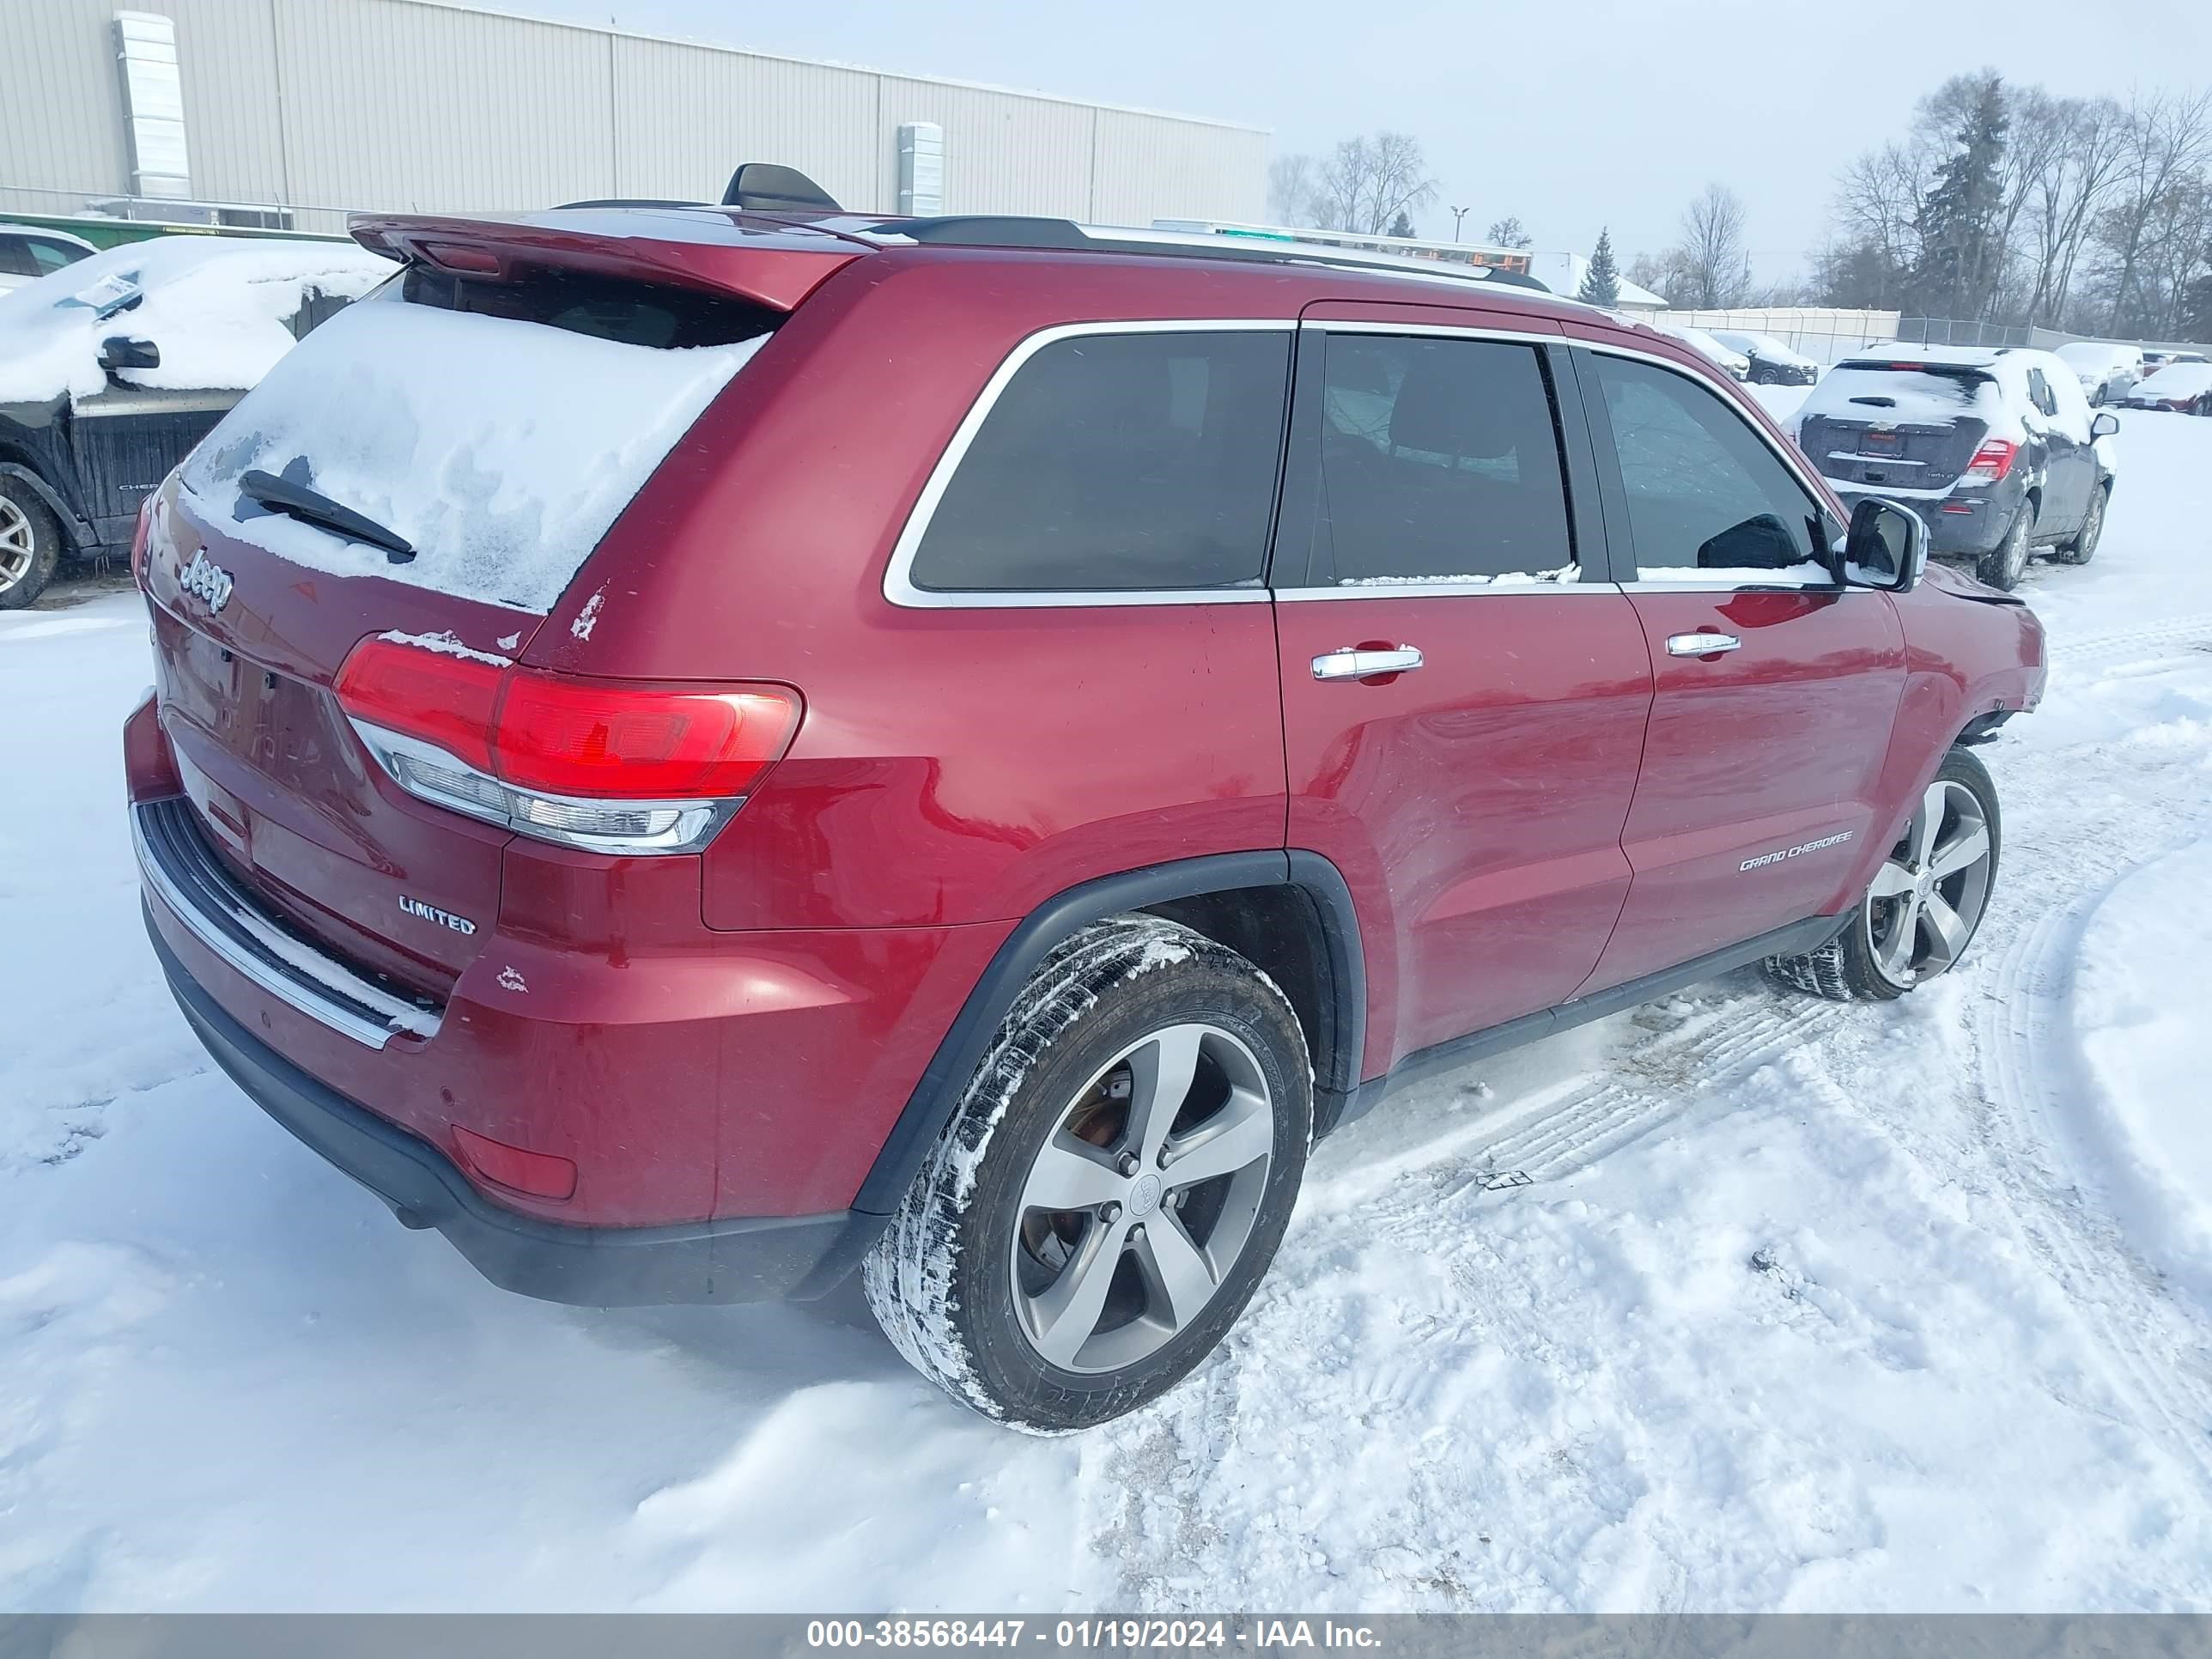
[500,449]
[1935,394]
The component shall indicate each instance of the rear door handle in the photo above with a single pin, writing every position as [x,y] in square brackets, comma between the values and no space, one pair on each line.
[1695,645]
[1349,665]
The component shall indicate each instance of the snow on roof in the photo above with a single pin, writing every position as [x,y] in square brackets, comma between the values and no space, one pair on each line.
[1901,351]
[219,308]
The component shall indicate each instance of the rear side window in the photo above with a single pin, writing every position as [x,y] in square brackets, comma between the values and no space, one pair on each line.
[15,258]
[53,256]
[1118,462]
[1439,462]
[1709,503]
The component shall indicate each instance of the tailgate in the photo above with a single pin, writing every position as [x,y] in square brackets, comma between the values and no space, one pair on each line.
[282,790]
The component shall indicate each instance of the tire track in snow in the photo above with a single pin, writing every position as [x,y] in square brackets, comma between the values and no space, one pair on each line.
[1647,1087]
[2152,1349]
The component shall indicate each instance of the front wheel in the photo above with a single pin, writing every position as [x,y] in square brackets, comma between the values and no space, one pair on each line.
[2003,565]
[1925,902]
[1110,1190]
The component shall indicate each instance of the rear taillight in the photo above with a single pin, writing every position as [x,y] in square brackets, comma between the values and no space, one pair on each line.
[609,765]
[139,538]
[1993,460]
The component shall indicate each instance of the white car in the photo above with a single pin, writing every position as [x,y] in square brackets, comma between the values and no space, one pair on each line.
[1737,364]
[2107,373]
[30,251]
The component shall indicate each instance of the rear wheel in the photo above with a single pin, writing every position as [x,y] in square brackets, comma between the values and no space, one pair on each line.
[2003,565]
[1925,902]
[1111,1188]
[2083,547]
[30,544]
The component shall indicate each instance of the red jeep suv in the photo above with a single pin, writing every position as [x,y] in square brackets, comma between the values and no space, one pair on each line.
[696,751]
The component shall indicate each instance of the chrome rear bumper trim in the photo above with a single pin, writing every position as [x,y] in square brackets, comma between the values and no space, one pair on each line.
[226,918]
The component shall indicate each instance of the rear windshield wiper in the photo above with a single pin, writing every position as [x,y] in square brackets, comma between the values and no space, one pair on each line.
[297,501]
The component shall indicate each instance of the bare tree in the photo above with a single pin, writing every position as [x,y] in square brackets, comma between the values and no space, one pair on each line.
[2168,138]
[1508,232]
[1367,182]
[1712,261]
[2067,194]
[1293,192]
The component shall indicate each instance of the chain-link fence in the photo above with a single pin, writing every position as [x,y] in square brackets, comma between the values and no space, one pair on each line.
[1825,334]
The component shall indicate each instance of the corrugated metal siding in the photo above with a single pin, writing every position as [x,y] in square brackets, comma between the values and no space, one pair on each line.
[1003,153]
[1148,167]
[396,103]
[683,119]
[227,51]
[412,106]
[61,115]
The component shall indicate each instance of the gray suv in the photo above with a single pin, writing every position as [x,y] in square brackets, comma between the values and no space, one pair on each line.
[1996,448]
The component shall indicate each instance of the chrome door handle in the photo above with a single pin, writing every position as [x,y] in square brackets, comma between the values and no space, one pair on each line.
[1701,644]
[1349,665]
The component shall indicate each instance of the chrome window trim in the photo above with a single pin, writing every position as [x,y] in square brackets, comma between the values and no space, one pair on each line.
[1470,331]
[898,586]
[224,917]
[1424,590]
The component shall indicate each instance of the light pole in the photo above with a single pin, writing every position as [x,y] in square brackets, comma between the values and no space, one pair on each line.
[1457,215]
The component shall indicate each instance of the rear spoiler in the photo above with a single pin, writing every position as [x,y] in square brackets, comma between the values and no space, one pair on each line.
[705,249]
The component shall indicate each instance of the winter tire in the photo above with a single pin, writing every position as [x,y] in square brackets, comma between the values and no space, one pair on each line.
[2003,565]
[1926,900]
[30,544]
[1112,1187]
[2083,547]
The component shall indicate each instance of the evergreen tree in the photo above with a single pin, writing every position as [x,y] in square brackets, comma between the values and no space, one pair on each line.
[1958,220]
[1601,282]
[1401,226]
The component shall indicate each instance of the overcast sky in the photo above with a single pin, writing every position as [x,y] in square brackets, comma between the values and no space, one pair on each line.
[1571,113]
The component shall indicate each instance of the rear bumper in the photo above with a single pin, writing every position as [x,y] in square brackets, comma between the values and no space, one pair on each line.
[741,1260]
[1966,524]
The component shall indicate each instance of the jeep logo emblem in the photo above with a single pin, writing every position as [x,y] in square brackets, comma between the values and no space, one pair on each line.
[414,906]
[210,581]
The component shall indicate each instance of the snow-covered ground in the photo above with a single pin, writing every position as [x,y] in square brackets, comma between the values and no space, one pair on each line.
[1803,1306]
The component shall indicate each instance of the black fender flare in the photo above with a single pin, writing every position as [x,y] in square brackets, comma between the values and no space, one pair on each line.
[934,1098]
[74,531]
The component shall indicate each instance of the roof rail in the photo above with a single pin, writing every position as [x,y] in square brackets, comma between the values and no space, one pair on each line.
[1013,230]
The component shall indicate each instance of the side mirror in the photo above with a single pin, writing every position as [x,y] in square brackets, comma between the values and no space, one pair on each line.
[2104,426]
[1887,547]
[127,351]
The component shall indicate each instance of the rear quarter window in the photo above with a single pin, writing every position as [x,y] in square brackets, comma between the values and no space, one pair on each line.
[1117,463]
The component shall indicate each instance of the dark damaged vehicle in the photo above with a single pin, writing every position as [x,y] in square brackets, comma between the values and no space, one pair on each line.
[1996,447]
[114,367]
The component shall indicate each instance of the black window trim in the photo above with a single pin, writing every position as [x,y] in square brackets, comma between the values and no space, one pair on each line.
[898,586]
[1616,497]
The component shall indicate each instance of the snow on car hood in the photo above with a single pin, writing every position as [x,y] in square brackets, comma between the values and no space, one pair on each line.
[501,450]
[219,308]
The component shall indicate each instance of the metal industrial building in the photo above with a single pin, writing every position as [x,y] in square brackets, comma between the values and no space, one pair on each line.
[316,107]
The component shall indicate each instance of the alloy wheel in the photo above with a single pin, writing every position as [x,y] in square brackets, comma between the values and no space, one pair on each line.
[1927,898]
[1142,1199]
[18,547]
